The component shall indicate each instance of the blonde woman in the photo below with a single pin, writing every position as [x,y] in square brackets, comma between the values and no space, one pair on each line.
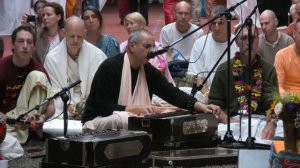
[134,21]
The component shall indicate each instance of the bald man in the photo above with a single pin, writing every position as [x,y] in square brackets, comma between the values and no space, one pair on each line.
[271,40]
[292,14]
[182,26]
[291,26]
[72,60]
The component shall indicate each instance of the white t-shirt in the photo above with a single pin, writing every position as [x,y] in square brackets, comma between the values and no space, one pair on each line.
[169,34]
[210,55]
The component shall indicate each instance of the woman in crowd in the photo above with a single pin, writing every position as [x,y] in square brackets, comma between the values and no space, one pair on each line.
[94,24]
[50,34]
[38,9]
[134,21]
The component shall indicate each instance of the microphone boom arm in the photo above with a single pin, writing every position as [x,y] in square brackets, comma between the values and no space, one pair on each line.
[37,107]
[166,48]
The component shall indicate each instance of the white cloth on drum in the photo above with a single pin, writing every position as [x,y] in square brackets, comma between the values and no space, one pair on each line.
[55,127]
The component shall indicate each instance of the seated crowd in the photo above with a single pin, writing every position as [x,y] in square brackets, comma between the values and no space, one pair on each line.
[118,81]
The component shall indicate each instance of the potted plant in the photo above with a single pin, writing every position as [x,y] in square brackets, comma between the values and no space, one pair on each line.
[287,108]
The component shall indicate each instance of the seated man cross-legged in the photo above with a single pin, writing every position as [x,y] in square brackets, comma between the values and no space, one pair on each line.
[264,87]
[72,60]
[113,98]
[23,85]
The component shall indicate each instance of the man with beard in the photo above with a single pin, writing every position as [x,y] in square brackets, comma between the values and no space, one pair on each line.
[262,89]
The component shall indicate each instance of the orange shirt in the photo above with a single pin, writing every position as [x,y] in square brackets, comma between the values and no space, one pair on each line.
[287,65]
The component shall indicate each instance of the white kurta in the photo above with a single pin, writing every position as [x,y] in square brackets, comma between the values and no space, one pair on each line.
[90,57]
[210,54]
[169,34]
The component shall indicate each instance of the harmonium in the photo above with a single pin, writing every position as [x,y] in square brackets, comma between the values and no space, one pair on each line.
[98,149]
[178,127]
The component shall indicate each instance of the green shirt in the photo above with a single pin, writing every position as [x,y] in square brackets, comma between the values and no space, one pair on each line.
[219,88]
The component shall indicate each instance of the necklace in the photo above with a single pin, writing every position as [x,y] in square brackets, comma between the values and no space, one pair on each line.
[241,88]
[21,72]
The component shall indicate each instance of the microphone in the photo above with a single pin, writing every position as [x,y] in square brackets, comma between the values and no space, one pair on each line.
[12,121]
[223,13]
[66,89]
[158,52]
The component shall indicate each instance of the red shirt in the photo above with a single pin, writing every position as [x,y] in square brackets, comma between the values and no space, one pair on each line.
[290,29]
[12,79]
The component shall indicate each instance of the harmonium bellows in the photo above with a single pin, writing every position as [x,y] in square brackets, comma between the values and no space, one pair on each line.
[95,149]
[178,126]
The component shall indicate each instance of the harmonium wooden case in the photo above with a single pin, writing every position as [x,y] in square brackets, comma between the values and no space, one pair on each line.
[178,126]
[98,149]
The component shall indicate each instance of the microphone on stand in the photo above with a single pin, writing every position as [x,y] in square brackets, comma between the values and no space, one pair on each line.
[158,52]
[12,121]
[65,89]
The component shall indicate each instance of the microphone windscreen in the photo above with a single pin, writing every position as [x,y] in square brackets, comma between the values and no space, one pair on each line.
[156,53]
[11,121]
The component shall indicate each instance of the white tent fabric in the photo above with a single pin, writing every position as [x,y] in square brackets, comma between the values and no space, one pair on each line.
[11,12]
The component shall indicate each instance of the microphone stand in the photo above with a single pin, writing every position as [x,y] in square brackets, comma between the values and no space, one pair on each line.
[228,137]
[250,140]
[248,22]
[65,99]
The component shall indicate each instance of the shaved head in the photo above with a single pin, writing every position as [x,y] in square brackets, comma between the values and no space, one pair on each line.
[269,23]
[74,21]
[268,13]
[75,33]
[183,4]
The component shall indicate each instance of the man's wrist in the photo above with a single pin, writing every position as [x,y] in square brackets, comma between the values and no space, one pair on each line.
[43,116]
[273,121]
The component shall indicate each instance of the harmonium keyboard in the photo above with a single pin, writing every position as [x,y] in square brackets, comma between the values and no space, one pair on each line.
[177,126]
[95,149]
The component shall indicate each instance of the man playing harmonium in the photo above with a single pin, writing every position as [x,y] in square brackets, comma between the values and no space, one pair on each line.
[264,87]
[123,86]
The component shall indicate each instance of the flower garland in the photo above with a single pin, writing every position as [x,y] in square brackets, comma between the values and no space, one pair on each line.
[286,108]
[241,87]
